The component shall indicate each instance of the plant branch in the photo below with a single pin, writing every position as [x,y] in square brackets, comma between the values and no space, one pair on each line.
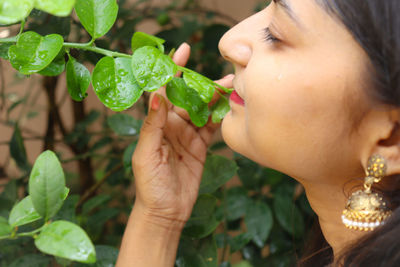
[14,236]
[96,186]
[89,47]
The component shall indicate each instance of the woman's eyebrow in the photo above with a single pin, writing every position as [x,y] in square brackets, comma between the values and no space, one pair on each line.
[288,10]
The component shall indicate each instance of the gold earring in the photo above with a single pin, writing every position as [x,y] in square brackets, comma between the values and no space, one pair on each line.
[366,210]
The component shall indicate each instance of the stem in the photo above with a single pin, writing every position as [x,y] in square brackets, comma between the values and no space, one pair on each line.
[31,234]
[97,50]
[8,40]
[22,27]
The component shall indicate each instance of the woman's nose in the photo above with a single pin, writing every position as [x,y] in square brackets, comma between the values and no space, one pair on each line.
[235,45]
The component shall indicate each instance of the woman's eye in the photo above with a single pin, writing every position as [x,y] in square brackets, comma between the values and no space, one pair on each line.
[269,37]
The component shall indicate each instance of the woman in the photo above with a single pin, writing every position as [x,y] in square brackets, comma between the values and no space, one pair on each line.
[317,94]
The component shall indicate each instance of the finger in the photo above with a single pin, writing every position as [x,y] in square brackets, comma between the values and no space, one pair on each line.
[227,82]
[151,134]
[181,56]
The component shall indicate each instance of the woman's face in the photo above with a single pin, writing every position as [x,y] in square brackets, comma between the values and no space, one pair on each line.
[298,79]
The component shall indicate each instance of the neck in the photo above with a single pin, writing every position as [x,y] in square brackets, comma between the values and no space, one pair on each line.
[328,202]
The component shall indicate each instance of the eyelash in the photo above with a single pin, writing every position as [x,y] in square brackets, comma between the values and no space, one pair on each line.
[269,37]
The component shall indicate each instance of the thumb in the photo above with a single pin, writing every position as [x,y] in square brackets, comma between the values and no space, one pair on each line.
[151,134]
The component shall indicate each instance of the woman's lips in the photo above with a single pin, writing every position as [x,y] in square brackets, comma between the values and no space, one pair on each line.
[236,98]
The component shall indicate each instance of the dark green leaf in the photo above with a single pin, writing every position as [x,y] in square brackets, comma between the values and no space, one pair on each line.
[31,260]
[96,222]
[33,52]
[47,185]
[114,83]
[12,11]
[23,213]
[220,109]
[78,79]
[217,171]
[237,202]
[239,241]
[94,202]
[202,221]
[197,253]
[259,222]
[97,16]
[124,124]
[60,8]
[244,264]
[152,68]
[56,67]
[185,97]
[66,240]
[202,85]
[67,211]
[140,39]
[17,150]
[4,50]
[288,214]
[9,196]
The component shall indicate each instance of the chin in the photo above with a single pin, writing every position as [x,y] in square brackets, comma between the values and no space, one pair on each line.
[232,136]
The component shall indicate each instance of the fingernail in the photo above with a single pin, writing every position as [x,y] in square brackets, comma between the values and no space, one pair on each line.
[155,103]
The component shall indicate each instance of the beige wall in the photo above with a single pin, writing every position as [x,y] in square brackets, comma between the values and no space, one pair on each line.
[16,89]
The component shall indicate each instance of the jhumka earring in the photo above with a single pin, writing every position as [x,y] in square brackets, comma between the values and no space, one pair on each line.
[366,210]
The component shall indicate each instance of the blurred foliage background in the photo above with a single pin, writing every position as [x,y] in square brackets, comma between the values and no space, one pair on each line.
[259,218]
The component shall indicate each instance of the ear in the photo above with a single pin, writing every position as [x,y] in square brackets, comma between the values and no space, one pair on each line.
[383,138]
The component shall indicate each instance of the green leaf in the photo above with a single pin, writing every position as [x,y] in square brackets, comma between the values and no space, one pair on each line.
[124,124]
[94,202]
[185,97]
[197,253]
[78,79]
[239,241]
[56,67]
[4,47]
[12,11]
[31,260]
[17,149]
[23,213]
[140,39]
[237,202]
[33,52]
[202,222]
[66,240]
[217,171]
[152,68]
[288,214]
[114,83]
[97,16]
[67,211]
[220,109]
[47,185]
[106,257]
[61,8]
[259,222]
[5,228]
[202,85]
[243,264]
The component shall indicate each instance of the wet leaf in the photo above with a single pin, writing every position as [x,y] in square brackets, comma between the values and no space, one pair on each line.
[97,17]
[140,39]
[56,67]
[185,97]
[60,8]
[23,213]
[4,50]
[33,52]
[47,185]
[152,68]
[203,86]
[12,11]
[66,240]
[220,109]
[78,79]
[114,83]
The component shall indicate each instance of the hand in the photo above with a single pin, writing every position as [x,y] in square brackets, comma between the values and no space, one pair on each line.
[169,158]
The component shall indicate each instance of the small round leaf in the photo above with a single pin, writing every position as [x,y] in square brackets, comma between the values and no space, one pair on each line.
[12,11]
[78,79]
[56,7]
